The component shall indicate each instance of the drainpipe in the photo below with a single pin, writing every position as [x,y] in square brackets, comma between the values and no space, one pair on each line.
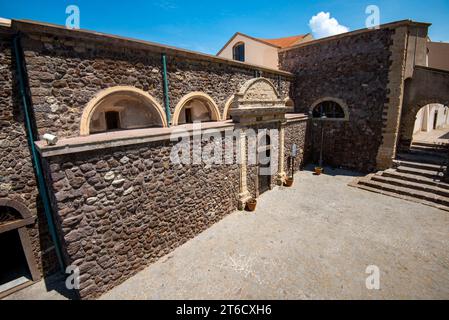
[42,187]
[166,94]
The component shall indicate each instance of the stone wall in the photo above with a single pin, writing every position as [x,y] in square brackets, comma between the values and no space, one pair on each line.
[65,73]
[355,69]
[121,209]
[17,179]
[295,133]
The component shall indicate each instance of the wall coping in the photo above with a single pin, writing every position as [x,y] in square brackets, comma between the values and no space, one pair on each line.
[296,117]
[132,137]
[391,25]
[121,138]
[34,27]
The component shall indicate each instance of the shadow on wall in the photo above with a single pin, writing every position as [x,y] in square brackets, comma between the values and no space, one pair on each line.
[42,245]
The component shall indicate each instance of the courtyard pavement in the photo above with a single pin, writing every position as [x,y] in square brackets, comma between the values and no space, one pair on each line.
[312,241]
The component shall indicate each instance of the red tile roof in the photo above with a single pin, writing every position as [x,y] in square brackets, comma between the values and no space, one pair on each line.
[287,41]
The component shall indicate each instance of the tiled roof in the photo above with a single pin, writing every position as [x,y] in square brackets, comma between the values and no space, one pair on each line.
[287,41]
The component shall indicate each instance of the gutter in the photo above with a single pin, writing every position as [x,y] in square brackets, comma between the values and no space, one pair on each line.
[166,93]
[42,187]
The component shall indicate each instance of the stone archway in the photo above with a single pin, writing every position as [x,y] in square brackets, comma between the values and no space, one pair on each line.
[118,100]
[201,101]
[428,86]
[14,219]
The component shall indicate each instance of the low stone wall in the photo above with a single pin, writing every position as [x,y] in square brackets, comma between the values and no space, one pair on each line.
[17,179]
[121,209]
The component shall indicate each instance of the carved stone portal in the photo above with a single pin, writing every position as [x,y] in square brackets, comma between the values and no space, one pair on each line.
[258,104]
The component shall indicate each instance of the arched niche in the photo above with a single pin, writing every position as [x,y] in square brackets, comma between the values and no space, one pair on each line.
[228,106]
[121,108]
[196,106]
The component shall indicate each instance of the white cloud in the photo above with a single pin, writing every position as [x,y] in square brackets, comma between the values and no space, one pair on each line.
[322,25]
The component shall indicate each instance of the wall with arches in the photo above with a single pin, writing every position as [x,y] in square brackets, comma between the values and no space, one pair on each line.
[65,81]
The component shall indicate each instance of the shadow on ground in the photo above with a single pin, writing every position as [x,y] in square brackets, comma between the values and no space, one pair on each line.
[334,172]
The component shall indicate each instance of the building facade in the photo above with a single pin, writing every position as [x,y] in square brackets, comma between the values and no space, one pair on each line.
[104,193]
[262,52]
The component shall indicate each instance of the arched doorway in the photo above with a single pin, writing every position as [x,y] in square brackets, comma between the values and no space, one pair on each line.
[426,122]
[18,266]
[329,115]
[196,107]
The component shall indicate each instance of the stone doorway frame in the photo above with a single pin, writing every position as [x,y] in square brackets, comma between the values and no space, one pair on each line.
[21,227]
[258,104]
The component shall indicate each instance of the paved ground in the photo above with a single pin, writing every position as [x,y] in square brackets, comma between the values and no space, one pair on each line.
[434,136]
[312,241]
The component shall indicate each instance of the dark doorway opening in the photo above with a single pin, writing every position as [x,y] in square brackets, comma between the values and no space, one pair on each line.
[14,269]
[264,166]
[112,120]
[435,121]
[189,118]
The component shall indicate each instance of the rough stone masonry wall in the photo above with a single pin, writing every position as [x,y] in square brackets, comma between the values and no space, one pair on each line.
[295,133]
[66,73]
[355,69]
[17,179]
[121,209]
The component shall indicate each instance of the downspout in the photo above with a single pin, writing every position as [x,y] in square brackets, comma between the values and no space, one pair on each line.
[166,93]
[42,187]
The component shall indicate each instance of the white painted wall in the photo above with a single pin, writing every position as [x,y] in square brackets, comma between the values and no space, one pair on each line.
[256,52]
[426,117]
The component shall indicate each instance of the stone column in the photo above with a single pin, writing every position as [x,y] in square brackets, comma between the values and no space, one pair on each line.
[281,171]
[244,194]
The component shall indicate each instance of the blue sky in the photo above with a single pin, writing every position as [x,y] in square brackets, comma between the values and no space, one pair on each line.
[206,25]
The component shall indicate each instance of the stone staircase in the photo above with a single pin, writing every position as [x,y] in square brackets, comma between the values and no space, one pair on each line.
[417,175]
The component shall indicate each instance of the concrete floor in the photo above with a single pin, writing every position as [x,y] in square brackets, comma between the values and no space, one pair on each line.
[312,241]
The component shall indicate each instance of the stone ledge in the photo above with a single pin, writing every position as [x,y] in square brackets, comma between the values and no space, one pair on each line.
[296,117]
[122,138]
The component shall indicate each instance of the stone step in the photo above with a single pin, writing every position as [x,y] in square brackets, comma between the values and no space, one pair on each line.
[413,178]
[420,172]
[412,185]
[420,158]
[429,149]
[428,145]
[404,197]
[418,165]
[418,194]
[433,154]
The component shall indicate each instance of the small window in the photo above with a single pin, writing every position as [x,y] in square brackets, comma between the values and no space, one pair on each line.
[239,52]
[112,120]
[330,110]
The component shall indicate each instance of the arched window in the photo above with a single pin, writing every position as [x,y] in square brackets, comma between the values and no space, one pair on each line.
[238,52]
[329,110]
